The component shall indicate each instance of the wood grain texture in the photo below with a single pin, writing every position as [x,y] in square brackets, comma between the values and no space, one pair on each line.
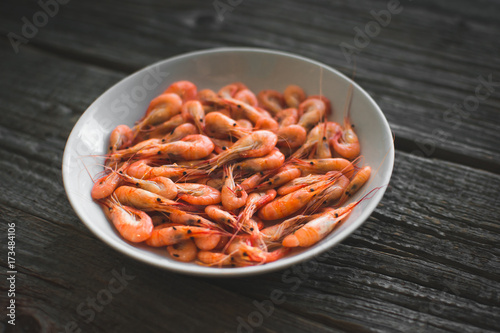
[427,260]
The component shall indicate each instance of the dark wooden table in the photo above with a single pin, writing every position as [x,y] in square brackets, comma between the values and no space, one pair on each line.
[427,260]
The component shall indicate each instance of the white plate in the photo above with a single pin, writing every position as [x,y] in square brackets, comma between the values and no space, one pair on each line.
[126,101]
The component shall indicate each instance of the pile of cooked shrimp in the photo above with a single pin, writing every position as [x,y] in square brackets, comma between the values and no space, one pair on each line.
[231,178]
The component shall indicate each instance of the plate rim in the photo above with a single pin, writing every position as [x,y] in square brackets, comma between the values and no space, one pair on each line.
[237,271]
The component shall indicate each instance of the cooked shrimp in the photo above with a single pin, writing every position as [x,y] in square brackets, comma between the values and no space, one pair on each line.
[220,145]
[225,112]
[184,89]
[258,222]
[193,111]
[223,243]
[105,185]
[247,253]
[325,165]
[158,218]
[328,104]
[161,109]
[284,175]
[180,133]
[120,137]
[192,147]
[130,151]
[193,163]
[164,101]
[191,219]
[212,258]
[314,136]
[346,142]
[267,257]
[320,227]
[255,116]
[300,182]
[198,194]
[184,251]
[267,123]
[246,96]
[252,181]
[292,136]
[233,196]
[254,202]
[313,111]
[144,169]
[207,96]
[216,183]
[231,89]
[208,243]
[271,161]
[287,117]
[134,225]
[356,183]
[276,233]
[143,200]
[162,129]
[221,216]
[317,229]
[271,100]
[329,195]
[313,231]
[256,144]
[287,151]
[245,124]
[327,129]
[294,95]
[220,126]
[264,113]
[159,185]
[164,236]
[292,202]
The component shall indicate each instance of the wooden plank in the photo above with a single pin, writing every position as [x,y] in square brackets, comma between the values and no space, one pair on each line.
[420,80]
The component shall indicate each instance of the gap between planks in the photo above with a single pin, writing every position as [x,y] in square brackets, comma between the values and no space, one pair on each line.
[410,146]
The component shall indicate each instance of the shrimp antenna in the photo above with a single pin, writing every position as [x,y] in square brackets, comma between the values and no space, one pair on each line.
[347,105]
[284,139]
[371,193]
[347,111]
[88,172]
[358,160]
[321,92]
[316,204]
[114,199]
